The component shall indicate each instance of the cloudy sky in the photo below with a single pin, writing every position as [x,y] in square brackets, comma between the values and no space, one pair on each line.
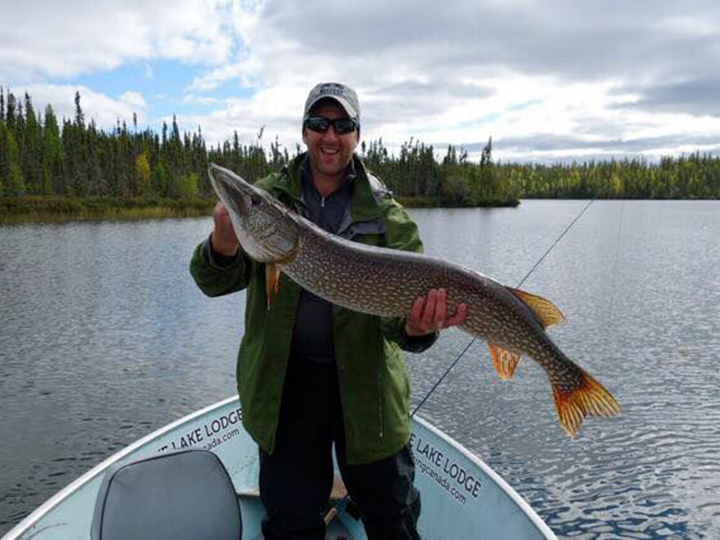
[552,80]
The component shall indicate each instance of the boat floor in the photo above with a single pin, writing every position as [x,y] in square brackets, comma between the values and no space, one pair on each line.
[253,511]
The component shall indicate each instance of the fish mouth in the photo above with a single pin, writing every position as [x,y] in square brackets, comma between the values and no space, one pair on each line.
[266,231]
[232,190]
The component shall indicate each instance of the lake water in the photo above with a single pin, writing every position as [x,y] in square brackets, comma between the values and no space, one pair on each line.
[104,337]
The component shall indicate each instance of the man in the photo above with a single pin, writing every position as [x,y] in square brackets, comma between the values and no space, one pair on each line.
[311,374]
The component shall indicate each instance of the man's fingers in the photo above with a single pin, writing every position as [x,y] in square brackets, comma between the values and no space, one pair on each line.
[219,209]
[224,240]
[440,309]
[429,312]
[459,316]
[220,214]
[417,310]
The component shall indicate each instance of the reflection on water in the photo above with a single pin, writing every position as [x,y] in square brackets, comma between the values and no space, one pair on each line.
[104,337]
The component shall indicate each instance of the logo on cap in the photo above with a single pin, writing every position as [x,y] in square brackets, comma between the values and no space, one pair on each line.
[331,88]
[344,95]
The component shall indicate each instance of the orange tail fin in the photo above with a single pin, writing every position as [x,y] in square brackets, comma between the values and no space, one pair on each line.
[588,399]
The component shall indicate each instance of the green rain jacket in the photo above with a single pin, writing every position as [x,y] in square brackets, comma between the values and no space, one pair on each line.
[374,386]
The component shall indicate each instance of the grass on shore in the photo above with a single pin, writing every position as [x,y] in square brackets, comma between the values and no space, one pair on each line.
[38,209]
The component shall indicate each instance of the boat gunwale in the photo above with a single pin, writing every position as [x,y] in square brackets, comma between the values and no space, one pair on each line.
[496,478]
[29,521]
[68,490]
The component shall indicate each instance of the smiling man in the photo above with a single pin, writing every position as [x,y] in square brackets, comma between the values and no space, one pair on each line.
[313,375]
[331,137]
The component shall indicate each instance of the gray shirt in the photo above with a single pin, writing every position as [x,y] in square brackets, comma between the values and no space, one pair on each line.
[313,332]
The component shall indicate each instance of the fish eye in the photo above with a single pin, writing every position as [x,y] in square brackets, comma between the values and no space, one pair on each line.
[255,199]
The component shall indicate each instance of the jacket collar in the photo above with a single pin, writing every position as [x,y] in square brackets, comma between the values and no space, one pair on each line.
[363,204]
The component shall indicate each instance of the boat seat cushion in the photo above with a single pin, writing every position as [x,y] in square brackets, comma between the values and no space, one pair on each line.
[174,495]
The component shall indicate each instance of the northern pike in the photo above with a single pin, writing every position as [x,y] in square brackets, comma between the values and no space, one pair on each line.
[386,282]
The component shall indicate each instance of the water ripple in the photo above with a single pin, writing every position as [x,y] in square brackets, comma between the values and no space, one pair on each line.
[105,338]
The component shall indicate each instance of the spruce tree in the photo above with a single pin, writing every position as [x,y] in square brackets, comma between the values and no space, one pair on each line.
[79,115]
[158,181]
[10,112]
[31,150]
[13,184]
[51,154]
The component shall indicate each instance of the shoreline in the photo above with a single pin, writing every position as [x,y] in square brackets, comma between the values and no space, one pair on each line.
[39,209]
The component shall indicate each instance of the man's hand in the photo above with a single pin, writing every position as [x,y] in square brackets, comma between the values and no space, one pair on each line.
[429,314]
[223,238]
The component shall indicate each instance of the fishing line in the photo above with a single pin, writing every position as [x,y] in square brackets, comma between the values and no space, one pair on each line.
[449,369]
[442,377]
[555,243]
[345,500]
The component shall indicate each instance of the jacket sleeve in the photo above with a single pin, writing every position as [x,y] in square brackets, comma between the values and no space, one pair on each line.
[217,277]
[402,233]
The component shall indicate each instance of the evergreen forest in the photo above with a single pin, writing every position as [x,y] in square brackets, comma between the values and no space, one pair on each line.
[71,166]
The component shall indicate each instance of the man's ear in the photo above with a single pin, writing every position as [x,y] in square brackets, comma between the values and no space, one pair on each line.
[304,138]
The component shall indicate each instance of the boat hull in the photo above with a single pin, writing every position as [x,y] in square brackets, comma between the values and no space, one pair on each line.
[462,498]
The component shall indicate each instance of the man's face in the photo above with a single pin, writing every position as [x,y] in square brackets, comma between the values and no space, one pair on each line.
[330,153]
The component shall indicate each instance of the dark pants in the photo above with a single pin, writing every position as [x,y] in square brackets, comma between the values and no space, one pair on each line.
[296,479]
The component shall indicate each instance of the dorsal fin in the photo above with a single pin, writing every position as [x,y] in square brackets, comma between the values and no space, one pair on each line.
[545,310]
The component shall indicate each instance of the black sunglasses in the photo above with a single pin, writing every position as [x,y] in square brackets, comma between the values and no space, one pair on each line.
[320,124]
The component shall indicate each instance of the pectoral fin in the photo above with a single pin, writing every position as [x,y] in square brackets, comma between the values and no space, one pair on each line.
[505,361]
[272,280]
[546,311]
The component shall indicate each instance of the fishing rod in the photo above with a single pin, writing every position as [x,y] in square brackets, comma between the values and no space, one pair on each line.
[346,499]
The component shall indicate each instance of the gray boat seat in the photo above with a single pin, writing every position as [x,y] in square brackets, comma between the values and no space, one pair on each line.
[171,496]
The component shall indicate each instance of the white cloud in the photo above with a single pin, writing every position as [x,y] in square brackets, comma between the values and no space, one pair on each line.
[63,39]
[461,73]
[133,99]
[575,74]
[277,108]
[214,78]
[103,109]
